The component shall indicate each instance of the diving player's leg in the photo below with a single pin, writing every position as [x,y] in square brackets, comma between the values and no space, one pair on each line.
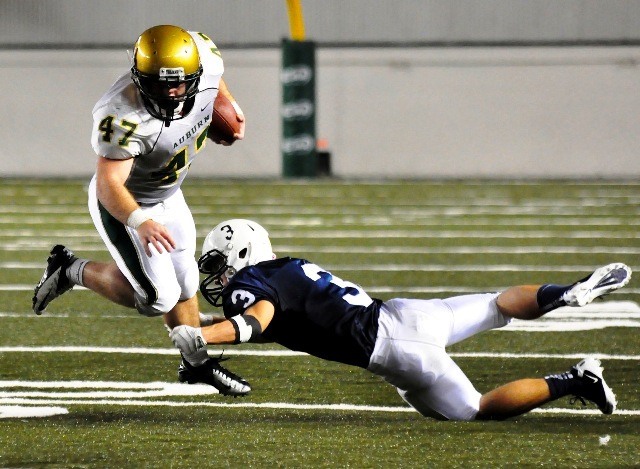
[532,301]
[477,313]
[450,397]
[514,398]
[584,380]
[410,354]
[520,302]
[472,314]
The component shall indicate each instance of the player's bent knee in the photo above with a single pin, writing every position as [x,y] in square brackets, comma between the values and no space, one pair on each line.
[443,405]
[146,309]
[163,304]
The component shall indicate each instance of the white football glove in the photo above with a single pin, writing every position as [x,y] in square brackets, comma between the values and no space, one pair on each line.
[205,320]
[188,339]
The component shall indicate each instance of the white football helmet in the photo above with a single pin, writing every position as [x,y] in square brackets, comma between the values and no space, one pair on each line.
[229,247]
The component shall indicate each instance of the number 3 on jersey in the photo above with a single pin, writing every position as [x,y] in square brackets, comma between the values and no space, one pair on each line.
[360,298]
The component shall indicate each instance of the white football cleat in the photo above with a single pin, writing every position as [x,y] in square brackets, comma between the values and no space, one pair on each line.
[602,281]
[594,387]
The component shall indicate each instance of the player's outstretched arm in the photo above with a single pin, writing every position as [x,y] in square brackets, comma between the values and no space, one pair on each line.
[245,327]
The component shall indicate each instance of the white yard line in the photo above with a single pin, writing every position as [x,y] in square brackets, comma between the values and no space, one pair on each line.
[375,220]
[282,207]
[21,412]
[399,267]
[270,405]
[27,234]
[46,244]
[435,289]
[290,353]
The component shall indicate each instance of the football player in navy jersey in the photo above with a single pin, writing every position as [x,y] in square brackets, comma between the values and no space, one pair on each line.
[303,307]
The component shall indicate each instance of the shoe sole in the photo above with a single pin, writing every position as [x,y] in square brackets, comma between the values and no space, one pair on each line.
[598,284]
[611,400]
[50,285]
[51,282]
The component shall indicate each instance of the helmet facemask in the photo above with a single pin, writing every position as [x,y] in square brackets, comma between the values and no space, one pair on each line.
[213,264]
[155,88]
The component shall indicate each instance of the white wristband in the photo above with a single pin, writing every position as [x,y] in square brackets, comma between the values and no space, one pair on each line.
[137,218]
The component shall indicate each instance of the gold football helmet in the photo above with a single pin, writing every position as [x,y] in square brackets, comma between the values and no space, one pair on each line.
[166,57]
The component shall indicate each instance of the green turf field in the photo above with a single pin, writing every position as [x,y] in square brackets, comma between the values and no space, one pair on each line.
[114,372]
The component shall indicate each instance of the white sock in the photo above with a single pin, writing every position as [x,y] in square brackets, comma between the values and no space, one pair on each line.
[75,270]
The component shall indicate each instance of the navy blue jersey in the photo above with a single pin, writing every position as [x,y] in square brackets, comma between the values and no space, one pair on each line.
[315,312]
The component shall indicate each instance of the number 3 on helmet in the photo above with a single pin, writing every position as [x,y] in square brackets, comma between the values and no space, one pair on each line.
[166,57]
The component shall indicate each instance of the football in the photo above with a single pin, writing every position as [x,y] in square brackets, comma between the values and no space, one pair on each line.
[223,120]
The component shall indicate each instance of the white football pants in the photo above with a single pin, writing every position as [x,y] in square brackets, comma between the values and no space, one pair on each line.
[410,351]
[161,280]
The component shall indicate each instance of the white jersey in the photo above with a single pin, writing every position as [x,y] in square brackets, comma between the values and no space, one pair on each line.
[123,128]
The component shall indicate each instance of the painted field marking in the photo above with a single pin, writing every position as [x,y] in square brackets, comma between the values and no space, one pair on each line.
[377,289]
[397,219]
[26,235]
[273,405]
[11,265]
[101,389]
[45,245]
[21,412]
[291,353]
[594,316]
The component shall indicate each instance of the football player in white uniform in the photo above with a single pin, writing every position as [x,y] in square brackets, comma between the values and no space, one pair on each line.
[302,306]
[147,130]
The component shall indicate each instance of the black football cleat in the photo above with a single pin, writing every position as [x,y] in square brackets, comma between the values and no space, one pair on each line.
[214,374]
[54,281]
